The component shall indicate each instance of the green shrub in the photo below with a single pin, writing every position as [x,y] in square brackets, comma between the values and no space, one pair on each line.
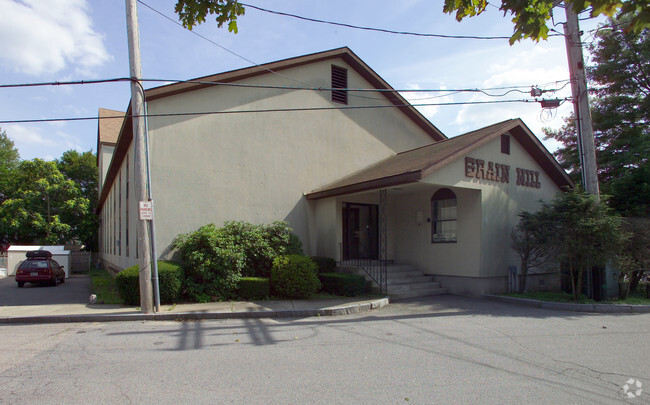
[127,282]
[325,264]
[294,276]
[349,285]
[216,258]
[212,263]
[170,282]
[254,288]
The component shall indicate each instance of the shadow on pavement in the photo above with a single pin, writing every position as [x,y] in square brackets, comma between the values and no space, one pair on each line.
[75,290]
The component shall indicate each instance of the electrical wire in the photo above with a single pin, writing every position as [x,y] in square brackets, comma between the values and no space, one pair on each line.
[382,30]
[510,89]
[218,45]
[271,110]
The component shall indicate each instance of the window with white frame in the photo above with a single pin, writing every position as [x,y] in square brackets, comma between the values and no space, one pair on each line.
[444,216]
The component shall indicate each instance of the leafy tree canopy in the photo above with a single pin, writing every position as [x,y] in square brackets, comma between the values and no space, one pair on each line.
[620,90]
[193,12]
[49,202]
[531,17]
[9,159]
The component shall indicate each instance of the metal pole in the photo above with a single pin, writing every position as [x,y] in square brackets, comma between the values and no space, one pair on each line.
[587,148]
[137,111]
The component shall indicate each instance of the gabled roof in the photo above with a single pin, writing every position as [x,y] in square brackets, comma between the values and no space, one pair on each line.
[126,127]
[109,125]
[416,164]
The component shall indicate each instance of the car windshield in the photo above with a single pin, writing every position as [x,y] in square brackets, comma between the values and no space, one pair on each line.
[34,264]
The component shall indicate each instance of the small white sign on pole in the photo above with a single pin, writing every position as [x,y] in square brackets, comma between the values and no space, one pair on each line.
[146,210]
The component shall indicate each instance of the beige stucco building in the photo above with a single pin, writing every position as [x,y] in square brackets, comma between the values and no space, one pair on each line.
[359,175]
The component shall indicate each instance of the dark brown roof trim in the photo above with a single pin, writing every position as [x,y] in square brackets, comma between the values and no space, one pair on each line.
[404,178]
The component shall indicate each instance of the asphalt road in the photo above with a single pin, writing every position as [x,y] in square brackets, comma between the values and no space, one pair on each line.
[443,349]
[75,290]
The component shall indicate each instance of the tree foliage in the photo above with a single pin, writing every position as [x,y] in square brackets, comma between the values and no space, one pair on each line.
[48,202]
[193,12]
[529,240]
[585,233]
[81,168]
[39,199]
[634,260]
[531,17]
[9,159]
[620,82]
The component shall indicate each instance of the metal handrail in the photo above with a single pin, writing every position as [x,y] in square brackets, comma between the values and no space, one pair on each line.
[376,269]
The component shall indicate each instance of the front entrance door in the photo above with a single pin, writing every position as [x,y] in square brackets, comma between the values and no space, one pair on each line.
[360,231]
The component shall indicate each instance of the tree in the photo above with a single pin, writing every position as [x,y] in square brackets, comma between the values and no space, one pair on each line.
[529,240]
[193,12]
[634,259]
[620,80]
[585,233]
[9,159]
[81,168]
[531,17]
[38,200]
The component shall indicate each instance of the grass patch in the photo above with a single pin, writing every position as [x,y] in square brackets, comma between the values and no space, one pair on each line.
[633,298]
[102,284]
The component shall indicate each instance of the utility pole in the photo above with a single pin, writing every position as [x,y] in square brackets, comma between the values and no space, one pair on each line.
[586,144]
[137,112]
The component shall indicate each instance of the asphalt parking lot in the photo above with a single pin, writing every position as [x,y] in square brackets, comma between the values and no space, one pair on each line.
[75,290]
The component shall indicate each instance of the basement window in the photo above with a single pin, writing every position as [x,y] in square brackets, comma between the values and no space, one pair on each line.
[339,81]
[505,144]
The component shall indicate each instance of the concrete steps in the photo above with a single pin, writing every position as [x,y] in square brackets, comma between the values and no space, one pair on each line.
[404,281]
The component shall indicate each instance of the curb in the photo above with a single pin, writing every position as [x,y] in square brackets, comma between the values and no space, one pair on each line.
[564,306]
[290,313]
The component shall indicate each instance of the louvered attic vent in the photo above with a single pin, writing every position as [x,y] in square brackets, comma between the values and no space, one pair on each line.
[339,81]
[505,144]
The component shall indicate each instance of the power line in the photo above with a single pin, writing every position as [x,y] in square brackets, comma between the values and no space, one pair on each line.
[515,88]
[272,110]
[56,83]
[216,44]
[382,30]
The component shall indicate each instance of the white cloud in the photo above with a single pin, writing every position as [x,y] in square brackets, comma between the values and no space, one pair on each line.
[425,97]
[38,37]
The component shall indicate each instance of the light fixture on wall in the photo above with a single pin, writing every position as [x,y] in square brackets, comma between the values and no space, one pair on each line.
[419,218]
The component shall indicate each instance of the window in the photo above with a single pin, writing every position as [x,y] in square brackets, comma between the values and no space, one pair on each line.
[444,214]
[339,81]
[505,144]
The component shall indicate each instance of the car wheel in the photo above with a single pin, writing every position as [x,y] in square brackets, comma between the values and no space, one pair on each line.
[54,281]
[62,279]
[21,284]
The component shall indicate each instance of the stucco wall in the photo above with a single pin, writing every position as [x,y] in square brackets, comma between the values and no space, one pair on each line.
[116,250]
[257,166]
[487,212]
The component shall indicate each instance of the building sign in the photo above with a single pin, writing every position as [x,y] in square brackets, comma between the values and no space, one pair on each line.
[498,172]
[146,210]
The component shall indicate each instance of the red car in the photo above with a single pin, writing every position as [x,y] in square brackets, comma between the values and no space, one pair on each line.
[40,268]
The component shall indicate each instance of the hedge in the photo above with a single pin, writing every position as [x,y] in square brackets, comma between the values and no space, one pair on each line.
[348,285]
[294,276]
[325,264]
[170,281]
[254,288]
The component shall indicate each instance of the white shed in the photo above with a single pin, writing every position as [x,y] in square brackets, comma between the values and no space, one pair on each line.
[16,255]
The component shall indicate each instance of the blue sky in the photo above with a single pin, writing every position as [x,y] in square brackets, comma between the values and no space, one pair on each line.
[61,40]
